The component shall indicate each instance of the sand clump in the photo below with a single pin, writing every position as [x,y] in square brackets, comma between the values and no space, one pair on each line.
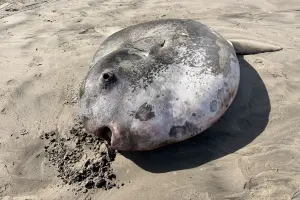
[81,159]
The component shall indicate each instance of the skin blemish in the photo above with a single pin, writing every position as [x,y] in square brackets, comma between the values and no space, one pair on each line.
[144,113]
[213,106]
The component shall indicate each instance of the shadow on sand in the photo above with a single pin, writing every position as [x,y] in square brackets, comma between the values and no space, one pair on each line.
[245,119]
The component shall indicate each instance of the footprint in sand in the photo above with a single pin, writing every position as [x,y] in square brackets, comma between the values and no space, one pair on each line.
[36,61]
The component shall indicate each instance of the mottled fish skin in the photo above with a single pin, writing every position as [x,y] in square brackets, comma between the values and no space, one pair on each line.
[159,82]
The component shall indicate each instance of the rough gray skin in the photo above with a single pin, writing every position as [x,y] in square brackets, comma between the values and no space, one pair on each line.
[157,83]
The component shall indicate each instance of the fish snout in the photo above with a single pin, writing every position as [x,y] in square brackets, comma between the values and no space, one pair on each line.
[109,133]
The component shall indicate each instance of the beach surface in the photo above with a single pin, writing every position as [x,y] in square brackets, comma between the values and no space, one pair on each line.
[253,152]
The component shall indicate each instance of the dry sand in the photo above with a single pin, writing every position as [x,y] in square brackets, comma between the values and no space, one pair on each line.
[253,152]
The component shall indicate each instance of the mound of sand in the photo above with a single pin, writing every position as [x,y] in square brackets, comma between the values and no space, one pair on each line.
[81,159]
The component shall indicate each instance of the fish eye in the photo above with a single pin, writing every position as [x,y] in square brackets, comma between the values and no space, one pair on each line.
[106,76]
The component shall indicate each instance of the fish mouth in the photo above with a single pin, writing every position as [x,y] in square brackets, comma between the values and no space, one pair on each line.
[104,133]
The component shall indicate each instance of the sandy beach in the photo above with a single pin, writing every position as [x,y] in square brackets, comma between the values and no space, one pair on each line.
[252,152]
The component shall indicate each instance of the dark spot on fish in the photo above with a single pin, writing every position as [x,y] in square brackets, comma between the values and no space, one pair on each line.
[157,96]
[220,93]
[177,131]
[194,114]
[213,106]
[144,113]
